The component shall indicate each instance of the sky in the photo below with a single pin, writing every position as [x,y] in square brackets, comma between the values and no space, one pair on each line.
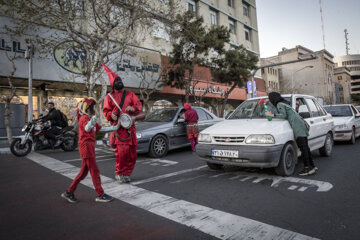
[287,23]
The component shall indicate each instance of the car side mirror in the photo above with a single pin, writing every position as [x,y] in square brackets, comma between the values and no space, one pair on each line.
[304,114]
[357,116]
[180,120]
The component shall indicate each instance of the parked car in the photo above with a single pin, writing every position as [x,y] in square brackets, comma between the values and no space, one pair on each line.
[163,130]
[246,138]
[358,108]
[346,121]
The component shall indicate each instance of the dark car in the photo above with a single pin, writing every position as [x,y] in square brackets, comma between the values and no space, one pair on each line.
[164,130]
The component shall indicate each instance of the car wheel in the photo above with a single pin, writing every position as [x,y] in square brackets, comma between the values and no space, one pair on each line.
[214,166]
[159,146]
[352,139]
[328,146]
[287,161]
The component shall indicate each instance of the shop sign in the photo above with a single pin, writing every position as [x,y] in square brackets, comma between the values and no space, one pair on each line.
[14,46]
[70,56]
[211,89]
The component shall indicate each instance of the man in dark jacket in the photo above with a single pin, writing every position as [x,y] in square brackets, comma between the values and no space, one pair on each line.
[54,117]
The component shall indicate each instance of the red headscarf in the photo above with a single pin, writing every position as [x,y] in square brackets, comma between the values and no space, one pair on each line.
[187,106]
[110,74]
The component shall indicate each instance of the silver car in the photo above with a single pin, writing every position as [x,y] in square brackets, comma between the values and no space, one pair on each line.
[163,130]
[346,121]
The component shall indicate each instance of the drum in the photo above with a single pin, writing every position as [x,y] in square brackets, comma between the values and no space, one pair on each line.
[126,121]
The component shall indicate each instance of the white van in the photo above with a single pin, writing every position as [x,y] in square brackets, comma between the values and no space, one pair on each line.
[247,138]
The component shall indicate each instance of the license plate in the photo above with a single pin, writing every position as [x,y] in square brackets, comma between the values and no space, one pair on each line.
[225,153]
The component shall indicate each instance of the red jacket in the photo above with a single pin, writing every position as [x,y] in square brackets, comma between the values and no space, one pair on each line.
[130,100]
[191,116]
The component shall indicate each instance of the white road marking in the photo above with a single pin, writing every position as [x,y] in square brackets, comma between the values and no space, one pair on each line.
[79,159]
[302,189]
[292,187]
[210,221]
[157,161]
[167,175]
[188,179]
[218,175]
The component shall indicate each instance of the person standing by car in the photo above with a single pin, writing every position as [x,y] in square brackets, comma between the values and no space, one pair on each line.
[125,141]
[54,116]
[87,116]
[299,128]
[191,118]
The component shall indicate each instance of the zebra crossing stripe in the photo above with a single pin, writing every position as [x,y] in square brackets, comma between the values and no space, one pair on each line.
[216,223]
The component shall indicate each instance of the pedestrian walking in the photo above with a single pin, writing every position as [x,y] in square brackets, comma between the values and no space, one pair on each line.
[87,115]
[116,103]
[299,127]
[191,119]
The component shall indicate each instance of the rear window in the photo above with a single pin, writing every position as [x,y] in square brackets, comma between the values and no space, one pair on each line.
[339,111]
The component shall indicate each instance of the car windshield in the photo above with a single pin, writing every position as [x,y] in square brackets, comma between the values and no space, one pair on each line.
[339,111]
[161,115]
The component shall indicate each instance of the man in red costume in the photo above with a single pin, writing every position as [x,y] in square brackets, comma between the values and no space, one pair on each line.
[191,119]
[125,151]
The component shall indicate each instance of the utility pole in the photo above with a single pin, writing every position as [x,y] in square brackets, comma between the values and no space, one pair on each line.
[28,56]
[322,24]
[346,42]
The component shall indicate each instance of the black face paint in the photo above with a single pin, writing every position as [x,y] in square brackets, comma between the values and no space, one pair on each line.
[118,84]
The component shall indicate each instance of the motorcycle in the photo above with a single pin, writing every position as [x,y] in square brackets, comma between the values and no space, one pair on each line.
[35,134]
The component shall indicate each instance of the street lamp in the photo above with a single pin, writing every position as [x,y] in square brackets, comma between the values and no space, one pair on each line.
[293,74]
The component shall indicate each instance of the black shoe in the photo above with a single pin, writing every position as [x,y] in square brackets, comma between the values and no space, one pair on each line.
[104,198]
[70,197]
[127,179]
[307,171]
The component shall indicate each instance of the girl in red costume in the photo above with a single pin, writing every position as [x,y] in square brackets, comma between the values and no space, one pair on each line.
[191,119]
[87,116]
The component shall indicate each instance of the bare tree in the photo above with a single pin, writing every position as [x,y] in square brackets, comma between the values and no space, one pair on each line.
[7,99]
[150,83]
[98,28]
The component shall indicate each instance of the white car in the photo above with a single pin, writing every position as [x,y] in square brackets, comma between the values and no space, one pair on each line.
[247,138]
[346,121]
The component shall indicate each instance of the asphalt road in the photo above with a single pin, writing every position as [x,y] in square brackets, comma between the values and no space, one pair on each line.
[178,197]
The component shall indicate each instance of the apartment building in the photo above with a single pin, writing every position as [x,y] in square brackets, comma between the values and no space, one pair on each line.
[313,77]
[352,62]
[342,76]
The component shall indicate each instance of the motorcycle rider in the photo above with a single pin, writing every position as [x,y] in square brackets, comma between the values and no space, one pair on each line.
[54,117]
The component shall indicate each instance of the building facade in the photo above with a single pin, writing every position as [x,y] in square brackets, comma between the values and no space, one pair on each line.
[313,77]
[56,77]
[342,76]
[352,62]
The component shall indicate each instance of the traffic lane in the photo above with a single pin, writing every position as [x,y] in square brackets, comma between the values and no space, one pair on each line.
[32,208]
[294,206]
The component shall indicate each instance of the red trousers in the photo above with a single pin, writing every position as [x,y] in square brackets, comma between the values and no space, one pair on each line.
[88,164]
[125,159]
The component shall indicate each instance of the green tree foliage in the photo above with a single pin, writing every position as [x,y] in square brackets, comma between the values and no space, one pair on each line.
[192,46]
[234,69]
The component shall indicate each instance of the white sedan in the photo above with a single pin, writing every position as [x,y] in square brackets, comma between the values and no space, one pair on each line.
[246,138]
[346,121]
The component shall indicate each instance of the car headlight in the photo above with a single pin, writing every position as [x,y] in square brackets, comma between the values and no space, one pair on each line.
[24,128]
[341,126]
[260,139]
[204,138]
[138,135]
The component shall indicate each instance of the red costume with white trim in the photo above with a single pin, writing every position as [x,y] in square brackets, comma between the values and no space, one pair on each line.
[191,118]
[125,151]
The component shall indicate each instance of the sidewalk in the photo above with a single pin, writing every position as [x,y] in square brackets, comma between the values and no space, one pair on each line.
[5,146]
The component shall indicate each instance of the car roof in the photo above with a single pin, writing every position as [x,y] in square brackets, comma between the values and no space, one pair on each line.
[337,105]
[285,95]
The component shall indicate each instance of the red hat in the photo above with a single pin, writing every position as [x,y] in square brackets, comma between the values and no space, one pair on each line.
[110,74]
[187,106]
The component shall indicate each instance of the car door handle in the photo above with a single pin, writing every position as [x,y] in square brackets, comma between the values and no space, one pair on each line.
[324,119]
[311,122]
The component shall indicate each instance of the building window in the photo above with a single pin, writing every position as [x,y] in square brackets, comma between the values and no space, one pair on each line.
[247,34]
[213,18]
[231,3]
[190,6]
[246,11]
[160,31]
[232,26]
